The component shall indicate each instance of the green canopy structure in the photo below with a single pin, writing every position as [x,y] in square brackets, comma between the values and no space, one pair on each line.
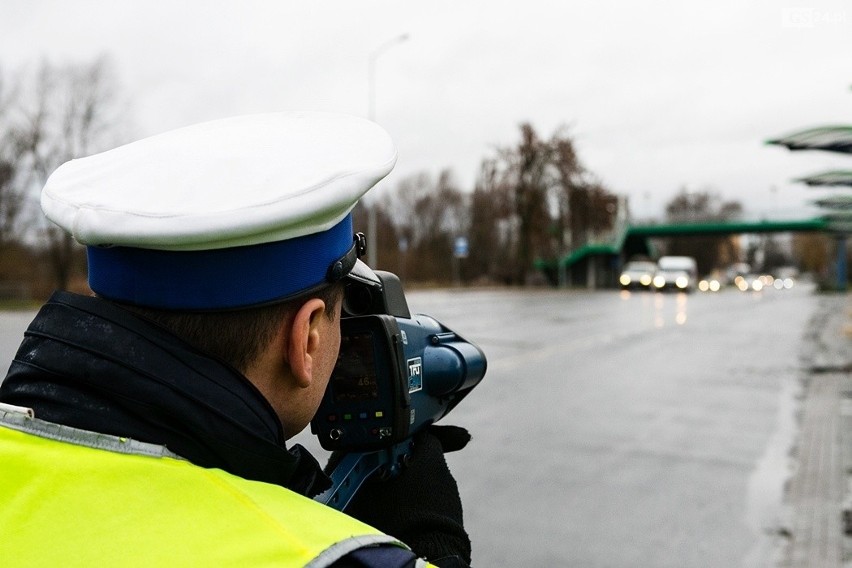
[830,178]
[836,202]
[839,220]
[829,138]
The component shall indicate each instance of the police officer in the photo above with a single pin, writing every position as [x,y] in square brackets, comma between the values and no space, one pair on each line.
[147,425]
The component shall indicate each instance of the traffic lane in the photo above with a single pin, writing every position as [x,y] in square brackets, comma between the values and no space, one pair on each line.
[639,427]
[577,470]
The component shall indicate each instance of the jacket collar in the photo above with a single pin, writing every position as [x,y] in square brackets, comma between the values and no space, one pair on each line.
[90,364]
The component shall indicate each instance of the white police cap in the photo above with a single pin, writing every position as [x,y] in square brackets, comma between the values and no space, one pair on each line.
[224,214]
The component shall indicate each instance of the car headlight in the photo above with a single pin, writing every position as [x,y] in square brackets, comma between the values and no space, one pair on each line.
[659,281]
[681,282]
[645,280]
[624,279]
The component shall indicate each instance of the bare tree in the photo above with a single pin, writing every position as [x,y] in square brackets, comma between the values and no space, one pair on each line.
[70,112]
[593,211]
[12,195]
[489,208]
[534,201]
[427,216]
[386,241]
[409,206]
[531,201]
[533,156]
[522,179]
[567,183]
[18,268]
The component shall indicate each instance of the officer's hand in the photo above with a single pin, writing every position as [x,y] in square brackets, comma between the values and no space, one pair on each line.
[452,438]
[421,506]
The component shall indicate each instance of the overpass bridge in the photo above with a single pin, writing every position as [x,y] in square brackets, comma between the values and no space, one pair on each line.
[597,263]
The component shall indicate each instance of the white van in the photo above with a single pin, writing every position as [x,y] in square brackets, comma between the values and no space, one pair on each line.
[676,273]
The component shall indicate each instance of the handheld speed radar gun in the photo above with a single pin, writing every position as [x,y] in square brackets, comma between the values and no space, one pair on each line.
[396,374]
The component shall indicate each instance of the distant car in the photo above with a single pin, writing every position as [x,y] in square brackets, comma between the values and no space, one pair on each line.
[676,273]
[785,277]
[637,274]
[710,283]
[713,282]
[758,282]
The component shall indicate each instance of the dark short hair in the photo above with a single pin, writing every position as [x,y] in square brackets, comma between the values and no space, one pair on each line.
[237,337]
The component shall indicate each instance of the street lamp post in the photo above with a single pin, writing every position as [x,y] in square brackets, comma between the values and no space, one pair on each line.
[372,254]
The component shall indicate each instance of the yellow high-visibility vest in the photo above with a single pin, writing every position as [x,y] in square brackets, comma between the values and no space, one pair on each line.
[74,498]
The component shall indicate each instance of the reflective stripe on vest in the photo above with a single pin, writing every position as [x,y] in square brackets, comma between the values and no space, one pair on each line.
[67,504]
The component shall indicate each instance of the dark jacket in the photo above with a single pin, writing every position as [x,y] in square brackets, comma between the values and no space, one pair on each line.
[89,364]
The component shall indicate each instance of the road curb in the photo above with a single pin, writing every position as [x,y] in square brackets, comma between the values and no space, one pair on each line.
[818,493]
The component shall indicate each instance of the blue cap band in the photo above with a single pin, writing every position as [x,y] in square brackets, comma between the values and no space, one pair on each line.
[219,278]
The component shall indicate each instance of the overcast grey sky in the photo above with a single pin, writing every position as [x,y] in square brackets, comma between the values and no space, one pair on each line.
[658,94]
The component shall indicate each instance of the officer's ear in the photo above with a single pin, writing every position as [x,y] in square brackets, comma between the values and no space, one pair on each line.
[304,340]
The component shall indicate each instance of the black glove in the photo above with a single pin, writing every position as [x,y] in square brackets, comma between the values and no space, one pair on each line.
[452,438]
[420,506]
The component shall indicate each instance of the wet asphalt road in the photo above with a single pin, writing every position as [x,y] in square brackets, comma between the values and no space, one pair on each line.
[618,429]
[626,429]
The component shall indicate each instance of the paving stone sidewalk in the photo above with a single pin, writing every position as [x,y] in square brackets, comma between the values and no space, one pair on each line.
[818,494]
